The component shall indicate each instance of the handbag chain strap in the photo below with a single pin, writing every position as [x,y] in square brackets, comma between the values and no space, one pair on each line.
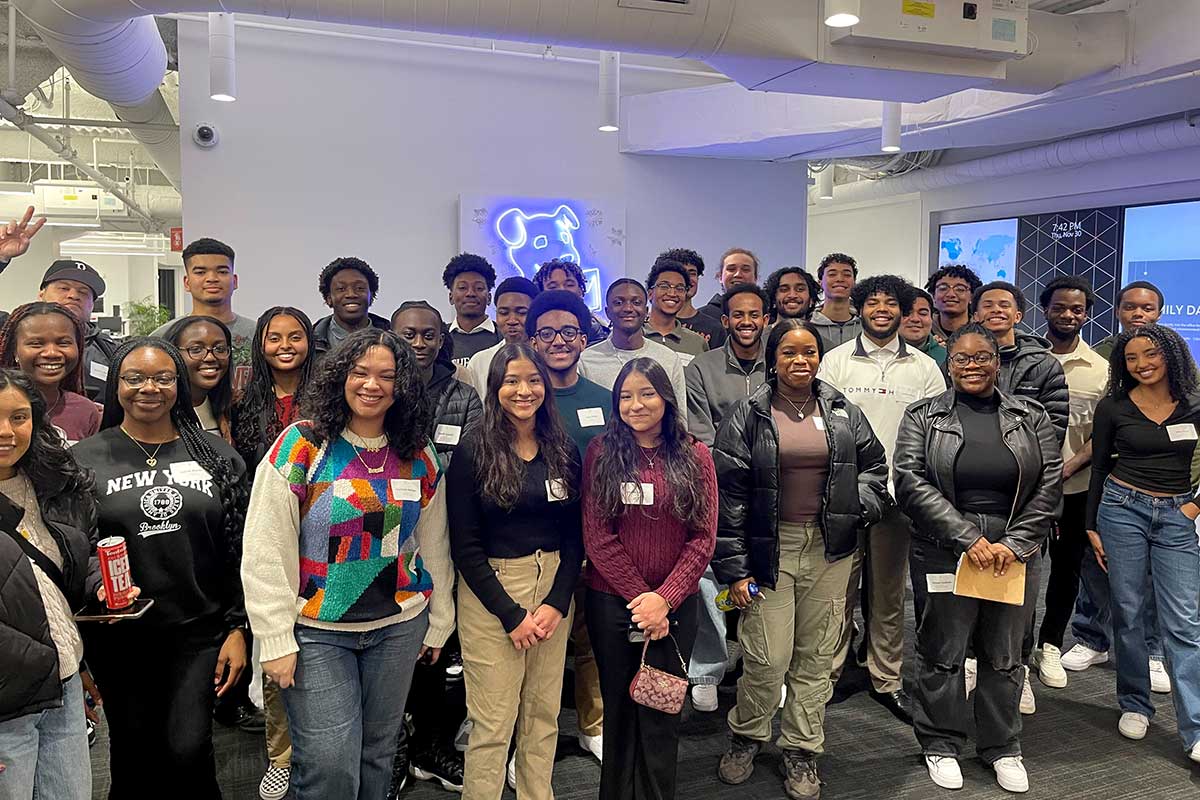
[678,652]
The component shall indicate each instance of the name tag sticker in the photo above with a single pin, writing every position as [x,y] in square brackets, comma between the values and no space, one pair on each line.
[98,371]
[940,583]
[841,412]
[406,489]
[590,417]
[819,422]
[1183,432]
[556,489]
[188,472]
[447,434]
[631,496]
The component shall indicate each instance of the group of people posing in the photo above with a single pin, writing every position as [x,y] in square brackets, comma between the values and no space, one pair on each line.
[365,504]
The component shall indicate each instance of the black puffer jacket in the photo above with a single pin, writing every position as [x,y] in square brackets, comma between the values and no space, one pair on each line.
[1033,371]
[321,340]
[746,454]
[29,670]
[457,407]
[927,445]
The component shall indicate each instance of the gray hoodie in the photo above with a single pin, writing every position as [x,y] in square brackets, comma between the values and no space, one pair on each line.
[835,333]
[715,381]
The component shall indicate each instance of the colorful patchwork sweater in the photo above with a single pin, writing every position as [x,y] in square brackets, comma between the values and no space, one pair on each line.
[333,545]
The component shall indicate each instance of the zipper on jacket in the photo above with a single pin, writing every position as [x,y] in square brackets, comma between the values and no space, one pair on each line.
[1017,496]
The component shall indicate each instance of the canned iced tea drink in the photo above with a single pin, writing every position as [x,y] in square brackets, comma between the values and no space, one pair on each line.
[114,571]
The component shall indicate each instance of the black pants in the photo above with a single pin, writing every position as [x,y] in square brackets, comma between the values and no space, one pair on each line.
[437,712]
[158,694]
[1067,552]
[948,625]
[238,695]
[641,745]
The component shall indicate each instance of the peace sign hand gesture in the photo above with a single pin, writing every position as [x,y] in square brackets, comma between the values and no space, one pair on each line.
[15,236]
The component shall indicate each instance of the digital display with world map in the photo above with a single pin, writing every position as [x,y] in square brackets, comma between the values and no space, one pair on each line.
[989,248]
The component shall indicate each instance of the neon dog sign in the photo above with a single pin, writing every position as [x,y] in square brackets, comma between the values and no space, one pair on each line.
[532,239]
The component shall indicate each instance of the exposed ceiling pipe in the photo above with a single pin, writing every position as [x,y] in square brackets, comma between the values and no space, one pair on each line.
[1156,137]
[19,118]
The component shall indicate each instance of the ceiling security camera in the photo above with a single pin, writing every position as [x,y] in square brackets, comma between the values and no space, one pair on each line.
[205,135]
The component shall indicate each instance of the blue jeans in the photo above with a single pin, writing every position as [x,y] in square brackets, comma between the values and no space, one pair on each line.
[47,752]
[346,707]
[707,664]
[1092,623]
[1143,533]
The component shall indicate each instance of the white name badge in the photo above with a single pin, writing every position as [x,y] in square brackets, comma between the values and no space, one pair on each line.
[1183,432]
[447,434]
[98,371]
[631,496]
[406,489]
[940,584]
[819,422]
[188,472]
[556,490]
[590,417]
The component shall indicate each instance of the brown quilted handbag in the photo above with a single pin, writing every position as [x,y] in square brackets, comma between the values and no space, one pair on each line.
[654,688]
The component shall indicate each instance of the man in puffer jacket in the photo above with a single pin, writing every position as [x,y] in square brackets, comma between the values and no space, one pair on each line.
[1027,367]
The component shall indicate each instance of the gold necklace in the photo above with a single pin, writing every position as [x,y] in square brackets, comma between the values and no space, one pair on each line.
[151,458]
[372,470]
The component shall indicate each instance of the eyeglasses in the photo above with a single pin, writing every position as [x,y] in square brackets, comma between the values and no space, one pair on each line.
[951,288]
[979,359]
[163,380]
[569,333]
[663,286]
[197,352]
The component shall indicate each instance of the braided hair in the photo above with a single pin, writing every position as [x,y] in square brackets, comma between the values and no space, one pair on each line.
[231,490]
[255,424]
[73,380]
[1181,368]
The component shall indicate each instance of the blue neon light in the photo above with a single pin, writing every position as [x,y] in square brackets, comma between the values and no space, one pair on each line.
[532,239]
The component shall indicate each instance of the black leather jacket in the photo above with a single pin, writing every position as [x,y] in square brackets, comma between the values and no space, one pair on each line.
[746,454]
[927,445]
[28,656]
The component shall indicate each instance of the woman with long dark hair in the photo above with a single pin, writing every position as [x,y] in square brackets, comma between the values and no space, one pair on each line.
[279,369]
[979,472]
[177,496]
[801,476]
[649,527]
[515,536]
[46,512]
[46,342]
[1141,516]
[347,567]
[207,346]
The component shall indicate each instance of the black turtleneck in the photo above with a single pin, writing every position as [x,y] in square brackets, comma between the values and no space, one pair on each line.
[985,472]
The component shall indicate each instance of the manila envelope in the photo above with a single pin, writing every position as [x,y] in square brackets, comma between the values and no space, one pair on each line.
[970,581]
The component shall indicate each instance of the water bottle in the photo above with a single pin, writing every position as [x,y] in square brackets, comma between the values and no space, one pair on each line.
[725,604]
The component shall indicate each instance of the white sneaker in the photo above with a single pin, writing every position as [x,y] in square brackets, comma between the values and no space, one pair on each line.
[970,674]
[1028,702]
[593,745]
[1050,669]
[782,695]
[704,697]
[1194,753]
[1080,657]
[1160,681]
[510,774]
[944,771]
[1011,774]
[1133,725]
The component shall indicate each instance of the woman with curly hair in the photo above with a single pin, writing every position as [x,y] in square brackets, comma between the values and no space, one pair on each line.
[1141,516]
[514,530]
[177,496]
[347,569]
[649,527]
[46,342]
[46,512]
[207,346]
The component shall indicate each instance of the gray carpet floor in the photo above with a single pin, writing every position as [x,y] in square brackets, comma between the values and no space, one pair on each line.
[1071,745]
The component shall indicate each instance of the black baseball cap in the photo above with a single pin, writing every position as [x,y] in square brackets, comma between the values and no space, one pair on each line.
[66,269]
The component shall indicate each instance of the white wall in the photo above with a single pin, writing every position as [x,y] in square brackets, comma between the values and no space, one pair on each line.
[883,236]
[340,148]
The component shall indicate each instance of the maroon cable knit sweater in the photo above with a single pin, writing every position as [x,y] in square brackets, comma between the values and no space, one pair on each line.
[647,549]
